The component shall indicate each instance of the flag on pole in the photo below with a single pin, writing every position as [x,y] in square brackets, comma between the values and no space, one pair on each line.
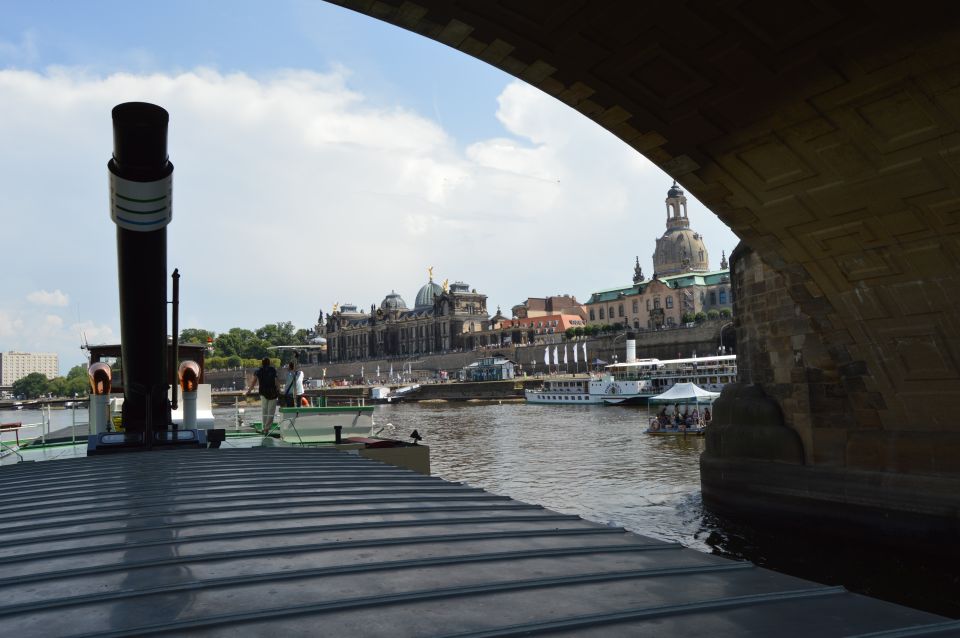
[585,360]
[391,370]
[556,356]
[575,349]
[564,354]
[378,372]
[546,356]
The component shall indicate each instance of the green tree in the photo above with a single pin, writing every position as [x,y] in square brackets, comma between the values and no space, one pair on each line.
[713,313]
[570,333]
[687,317]
[242,343]
[234,361]
[726,313]
[700,317]
[578,331]
[196,335]
[31,386]
[283,333]
[78,371]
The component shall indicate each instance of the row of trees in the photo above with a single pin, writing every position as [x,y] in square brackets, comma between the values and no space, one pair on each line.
[594,329]
[36,385]
[239,347]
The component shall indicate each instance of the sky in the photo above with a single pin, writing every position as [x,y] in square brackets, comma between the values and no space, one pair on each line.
[321,157]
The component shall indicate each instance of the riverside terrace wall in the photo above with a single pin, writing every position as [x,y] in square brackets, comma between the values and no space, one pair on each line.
[666,344]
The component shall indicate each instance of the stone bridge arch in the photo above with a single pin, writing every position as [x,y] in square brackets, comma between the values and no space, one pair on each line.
[826,136]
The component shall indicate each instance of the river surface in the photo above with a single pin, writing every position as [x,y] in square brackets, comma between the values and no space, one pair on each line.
[596,462]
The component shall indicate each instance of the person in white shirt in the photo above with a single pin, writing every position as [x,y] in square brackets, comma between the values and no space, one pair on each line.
[293,389]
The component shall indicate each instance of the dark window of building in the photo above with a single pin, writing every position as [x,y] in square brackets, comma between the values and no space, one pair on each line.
[723,296]
[636,306]
[636,324]
[656,302]
[670,301]
[610,313]
[592,318]
[648,304]
[620,310]
[601,313]
[713,298]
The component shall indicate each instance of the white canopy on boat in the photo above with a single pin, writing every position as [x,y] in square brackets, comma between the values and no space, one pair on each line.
[685,393]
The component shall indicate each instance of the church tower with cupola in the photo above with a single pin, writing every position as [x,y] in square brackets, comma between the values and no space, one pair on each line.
[680,249]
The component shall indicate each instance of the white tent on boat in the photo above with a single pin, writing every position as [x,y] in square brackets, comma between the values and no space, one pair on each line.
[685,393]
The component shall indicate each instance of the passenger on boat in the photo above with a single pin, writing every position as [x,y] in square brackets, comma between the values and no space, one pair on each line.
[706,416]
[266,377]
[654,424]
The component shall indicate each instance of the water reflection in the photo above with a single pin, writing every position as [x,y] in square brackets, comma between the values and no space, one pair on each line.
[593,461]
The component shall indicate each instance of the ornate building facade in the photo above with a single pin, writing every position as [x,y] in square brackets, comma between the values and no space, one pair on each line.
[682,282]
[443,318]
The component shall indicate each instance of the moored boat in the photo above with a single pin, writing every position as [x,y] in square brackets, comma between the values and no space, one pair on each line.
[695,403]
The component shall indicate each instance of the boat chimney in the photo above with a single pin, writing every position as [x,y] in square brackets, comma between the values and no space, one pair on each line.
[631,347]
[189,374]
[140,205]
[101,380]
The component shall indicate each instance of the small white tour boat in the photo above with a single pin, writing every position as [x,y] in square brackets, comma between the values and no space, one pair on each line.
[686,409]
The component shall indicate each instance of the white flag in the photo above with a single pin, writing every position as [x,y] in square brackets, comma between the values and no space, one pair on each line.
[585,360]
[575,349]
[391,370]
[564,354]
[378,372]
[546,356]
[556,356]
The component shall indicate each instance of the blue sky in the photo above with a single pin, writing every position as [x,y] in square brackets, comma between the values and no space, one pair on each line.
[321,157]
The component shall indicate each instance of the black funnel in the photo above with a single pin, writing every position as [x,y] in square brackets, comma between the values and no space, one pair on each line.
[140,205]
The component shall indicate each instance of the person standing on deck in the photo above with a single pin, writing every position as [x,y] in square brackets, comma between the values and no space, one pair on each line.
[293,391]
[266,377]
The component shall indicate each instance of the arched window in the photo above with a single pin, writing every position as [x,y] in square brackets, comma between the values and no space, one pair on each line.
[591,315]
[723,296]
[601,313]
[620,310]
[670,301]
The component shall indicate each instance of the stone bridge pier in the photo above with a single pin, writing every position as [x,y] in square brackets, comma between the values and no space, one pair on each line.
[825,134]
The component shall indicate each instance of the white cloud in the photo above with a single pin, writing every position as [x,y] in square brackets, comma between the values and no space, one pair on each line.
[292,191]
[44,298]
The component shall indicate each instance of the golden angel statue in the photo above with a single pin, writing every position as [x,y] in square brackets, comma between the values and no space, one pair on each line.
[430,272]
[446,285]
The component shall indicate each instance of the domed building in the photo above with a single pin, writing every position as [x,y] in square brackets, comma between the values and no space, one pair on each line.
[442,319]
[427,295]
[680,249]
[392,302]
[682,286]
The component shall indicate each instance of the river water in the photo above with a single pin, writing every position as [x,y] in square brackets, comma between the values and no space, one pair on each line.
[596,462]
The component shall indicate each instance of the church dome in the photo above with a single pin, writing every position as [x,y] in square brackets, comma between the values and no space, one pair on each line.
[393,301]
[426,295]
[680,250]
[675,191]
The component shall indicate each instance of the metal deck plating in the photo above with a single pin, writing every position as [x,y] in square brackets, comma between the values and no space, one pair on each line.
[317,542]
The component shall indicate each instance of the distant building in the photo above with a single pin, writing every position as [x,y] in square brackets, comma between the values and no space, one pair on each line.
[494,368]
[443,318]
[536,329]
[543,306]
[16,365]
[682,283]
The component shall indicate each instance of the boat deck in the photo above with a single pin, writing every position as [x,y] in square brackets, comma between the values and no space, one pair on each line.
[297,542]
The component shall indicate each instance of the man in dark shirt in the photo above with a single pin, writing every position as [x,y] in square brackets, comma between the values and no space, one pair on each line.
[266,377]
